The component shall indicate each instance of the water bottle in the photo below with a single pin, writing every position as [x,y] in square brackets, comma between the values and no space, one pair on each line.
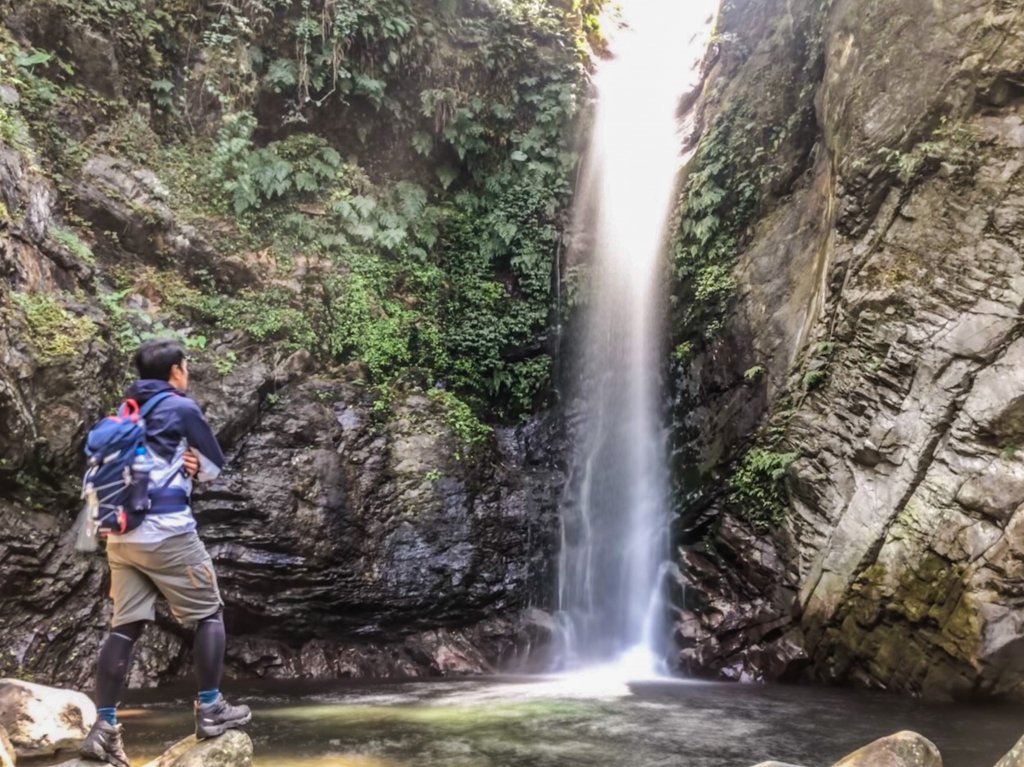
[142,467]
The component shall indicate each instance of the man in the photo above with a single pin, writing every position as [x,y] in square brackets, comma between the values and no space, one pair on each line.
[164,555]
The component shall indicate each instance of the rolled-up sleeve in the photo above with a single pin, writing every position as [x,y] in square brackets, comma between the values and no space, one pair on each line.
[202,441]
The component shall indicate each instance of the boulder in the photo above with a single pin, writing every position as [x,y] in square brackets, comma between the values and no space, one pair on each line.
[42,720]
[904,749]
[232,749]
[775,764]
[1015,757]
[6,750]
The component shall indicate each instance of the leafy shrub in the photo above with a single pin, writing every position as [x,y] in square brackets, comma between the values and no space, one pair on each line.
[251,176]
[758,486]
[437,271]
[461,419]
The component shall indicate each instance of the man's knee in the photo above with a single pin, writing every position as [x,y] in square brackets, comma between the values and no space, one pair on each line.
[128,631]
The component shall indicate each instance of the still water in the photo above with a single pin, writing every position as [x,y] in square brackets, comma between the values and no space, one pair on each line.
[572,721]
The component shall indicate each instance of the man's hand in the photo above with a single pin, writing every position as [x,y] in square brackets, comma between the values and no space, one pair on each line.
[191,463]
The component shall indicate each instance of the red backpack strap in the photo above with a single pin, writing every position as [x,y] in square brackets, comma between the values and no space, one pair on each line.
[129,409]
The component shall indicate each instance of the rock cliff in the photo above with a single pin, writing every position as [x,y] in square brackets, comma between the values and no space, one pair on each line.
[856,515]
[349,213]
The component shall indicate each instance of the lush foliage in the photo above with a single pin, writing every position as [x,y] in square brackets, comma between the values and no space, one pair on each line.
[755,144]
[72,243]
[732,169]
[401,168]
[953,143]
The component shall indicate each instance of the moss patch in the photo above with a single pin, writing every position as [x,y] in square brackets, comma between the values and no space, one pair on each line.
[54,332]
[73,243]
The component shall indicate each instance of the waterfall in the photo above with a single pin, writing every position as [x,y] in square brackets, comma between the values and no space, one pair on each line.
[615,514]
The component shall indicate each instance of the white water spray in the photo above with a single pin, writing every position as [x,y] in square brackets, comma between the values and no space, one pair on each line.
[615,516]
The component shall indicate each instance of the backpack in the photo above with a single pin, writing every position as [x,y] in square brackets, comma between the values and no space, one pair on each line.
[115,500]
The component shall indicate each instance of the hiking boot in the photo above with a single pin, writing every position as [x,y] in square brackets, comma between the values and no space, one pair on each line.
[213,719]
[103,744]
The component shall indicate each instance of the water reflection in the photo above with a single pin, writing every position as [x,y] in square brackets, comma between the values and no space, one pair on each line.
[583,719]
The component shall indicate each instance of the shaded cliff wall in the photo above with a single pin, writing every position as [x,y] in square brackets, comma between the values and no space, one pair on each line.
[848,436]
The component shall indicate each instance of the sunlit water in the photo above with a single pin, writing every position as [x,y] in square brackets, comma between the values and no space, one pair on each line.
[615,513]
[584,720]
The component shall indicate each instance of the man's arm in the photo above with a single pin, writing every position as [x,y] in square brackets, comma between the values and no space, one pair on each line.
[201,442]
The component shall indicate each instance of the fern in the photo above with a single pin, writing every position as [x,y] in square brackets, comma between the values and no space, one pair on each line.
[758,486]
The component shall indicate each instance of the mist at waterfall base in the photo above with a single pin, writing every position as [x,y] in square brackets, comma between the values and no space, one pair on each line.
[615,545]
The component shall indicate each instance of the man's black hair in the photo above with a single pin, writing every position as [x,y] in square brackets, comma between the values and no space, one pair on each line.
[154,359]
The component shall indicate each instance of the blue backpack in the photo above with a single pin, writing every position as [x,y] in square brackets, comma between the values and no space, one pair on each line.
[116,497]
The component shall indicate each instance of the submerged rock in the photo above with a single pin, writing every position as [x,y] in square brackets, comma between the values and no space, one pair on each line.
[43,720]
[904,749]
[232,749]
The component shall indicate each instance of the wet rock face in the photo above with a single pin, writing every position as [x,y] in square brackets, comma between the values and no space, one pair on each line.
[349,542]
[346,544]
[898,562]
[41,416]
[338,522]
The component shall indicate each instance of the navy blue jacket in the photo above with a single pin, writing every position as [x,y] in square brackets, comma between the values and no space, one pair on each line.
[175,419]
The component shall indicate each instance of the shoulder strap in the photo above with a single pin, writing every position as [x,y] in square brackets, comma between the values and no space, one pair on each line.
[153,401]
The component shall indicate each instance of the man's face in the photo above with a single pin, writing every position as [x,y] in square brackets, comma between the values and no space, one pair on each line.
[179,376]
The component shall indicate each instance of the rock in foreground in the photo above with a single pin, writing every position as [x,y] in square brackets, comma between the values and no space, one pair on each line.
[904,749]
[1015,757]
[43,720]
[6,750]
[232,749]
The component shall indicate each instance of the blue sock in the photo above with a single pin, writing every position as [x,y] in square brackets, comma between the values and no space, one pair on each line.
[108,715]
[208,696]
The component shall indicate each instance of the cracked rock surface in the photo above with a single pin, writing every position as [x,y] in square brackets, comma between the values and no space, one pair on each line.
[899,564]
[348,544]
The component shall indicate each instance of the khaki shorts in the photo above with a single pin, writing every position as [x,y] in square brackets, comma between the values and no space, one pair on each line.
[178,567]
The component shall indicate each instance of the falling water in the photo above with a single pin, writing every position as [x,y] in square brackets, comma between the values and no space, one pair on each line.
[615,514]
